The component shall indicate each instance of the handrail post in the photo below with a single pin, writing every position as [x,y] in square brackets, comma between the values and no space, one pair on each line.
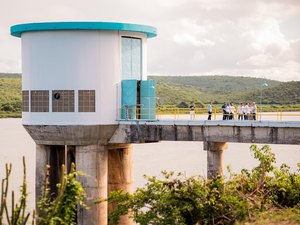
[215,113]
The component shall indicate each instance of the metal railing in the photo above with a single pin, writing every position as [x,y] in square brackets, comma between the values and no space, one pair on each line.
[161,113]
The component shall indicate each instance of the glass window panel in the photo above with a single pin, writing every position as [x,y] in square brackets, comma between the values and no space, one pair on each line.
[136,58]
[126,58]
[131,58]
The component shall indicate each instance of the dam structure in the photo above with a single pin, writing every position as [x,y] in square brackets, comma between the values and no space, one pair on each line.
[86,99]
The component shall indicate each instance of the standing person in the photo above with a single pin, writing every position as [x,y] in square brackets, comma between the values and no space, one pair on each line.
[227,111]
[209,110]
[254,109]
[231,111]
[224,111]
[192,110]
[246,111]
[240,109]
[250,111]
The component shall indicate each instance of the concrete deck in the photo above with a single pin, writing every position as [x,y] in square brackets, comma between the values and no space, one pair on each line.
[268,132]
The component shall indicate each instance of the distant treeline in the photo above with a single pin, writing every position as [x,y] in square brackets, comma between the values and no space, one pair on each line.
[10,95]
[179,91]
[10,75]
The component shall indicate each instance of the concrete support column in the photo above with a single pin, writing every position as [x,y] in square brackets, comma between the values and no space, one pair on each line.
[42,159]
[120,173]
[92,161]
[215,158]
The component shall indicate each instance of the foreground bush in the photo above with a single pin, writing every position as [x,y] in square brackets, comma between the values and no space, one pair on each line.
[60,210]
[195,200]
[17,215]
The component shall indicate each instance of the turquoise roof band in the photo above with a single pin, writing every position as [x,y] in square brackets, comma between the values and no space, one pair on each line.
[17,30]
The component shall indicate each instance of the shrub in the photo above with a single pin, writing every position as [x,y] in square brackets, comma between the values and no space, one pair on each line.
[195,200]
[62,209]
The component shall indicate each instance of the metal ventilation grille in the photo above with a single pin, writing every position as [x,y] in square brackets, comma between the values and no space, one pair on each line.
[86,101]
[39,101]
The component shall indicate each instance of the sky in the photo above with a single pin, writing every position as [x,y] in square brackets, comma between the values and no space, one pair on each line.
[257,38]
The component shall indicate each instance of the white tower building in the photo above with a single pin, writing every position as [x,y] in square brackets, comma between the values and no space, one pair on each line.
[72,79]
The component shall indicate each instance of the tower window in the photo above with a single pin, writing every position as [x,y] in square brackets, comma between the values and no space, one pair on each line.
[86,101]
[131,58]
[25,101]
[39,101]
[62,101]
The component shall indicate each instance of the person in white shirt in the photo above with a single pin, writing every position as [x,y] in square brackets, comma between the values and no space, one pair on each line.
[192,110]
[240,111]
[246,111]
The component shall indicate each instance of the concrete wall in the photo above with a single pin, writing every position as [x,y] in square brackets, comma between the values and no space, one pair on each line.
[70,135]
[75,60]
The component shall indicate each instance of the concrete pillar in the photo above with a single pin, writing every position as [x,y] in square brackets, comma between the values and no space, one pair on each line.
[42,158]
[120,173]
[92,161]
[215,158]
[54,156]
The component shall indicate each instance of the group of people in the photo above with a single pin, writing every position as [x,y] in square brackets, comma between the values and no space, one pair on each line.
[245,111]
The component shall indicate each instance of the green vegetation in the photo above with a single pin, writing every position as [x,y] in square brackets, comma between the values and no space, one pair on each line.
[175,90]
[63,209]
[179,91]
[10,96]
[17,215]
[10,75]
[244,198]
[60,210]
[276,216]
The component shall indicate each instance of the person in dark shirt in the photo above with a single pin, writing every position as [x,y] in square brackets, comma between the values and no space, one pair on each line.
[210,110]
[224,111]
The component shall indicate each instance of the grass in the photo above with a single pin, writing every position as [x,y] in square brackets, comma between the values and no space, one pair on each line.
[288,216]
[10,114]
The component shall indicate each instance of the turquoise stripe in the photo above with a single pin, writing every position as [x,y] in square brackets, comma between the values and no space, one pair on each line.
[17,30]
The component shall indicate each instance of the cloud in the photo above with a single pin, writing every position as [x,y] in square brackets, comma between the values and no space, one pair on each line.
[295,46]
[257,37]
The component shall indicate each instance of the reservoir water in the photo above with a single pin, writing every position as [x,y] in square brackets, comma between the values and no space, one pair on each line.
[149,159]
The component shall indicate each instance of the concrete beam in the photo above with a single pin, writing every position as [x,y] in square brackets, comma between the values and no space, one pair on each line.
[269,133]
[70,135]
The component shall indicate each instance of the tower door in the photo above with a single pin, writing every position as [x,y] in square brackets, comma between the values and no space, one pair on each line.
[129,99]
[147,99]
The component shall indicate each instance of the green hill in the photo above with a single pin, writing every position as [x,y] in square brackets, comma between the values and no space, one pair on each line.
[180,91]
[10,75]
[10,97]
[216,84]
[285,93]
[175,90]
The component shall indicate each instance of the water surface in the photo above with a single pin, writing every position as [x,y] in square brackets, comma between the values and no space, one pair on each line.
[150,159]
